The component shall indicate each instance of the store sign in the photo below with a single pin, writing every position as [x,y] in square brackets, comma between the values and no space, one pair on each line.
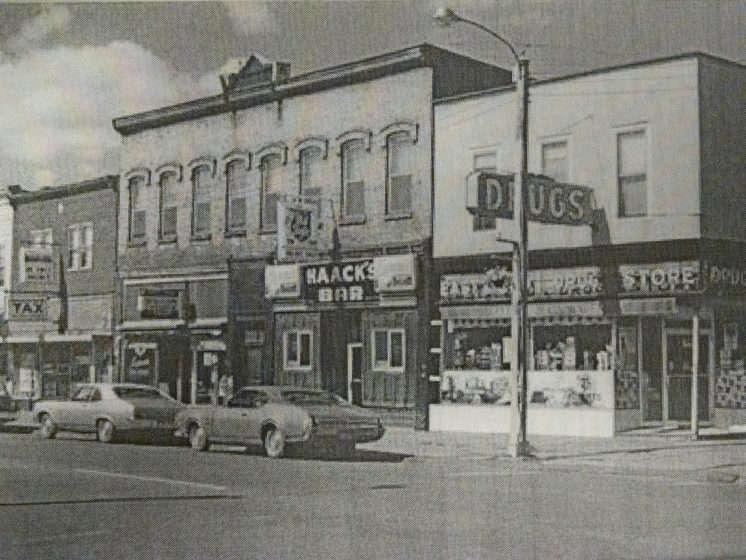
[495,284]
[660,278]
[648,306]
[282,281]
[140,363]
[299,227]
[28,309]
[38,264]
[548,201]
[394,273]
[727,278]
[339,282]
[159,304]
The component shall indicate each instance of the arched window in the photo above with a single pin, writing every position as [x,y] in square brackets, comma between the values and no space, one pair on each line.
[201,198]
[309,160]
[270,167]
[137,213]
[237,185]
[400,158]
[353,180]
[167,227]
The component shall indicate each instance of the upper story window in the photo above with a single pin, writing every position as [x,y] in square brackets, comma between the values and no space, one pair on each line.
[400,154]
[388,349]
[554,162]
[167,230]
[80,247]
[2,267]
[40,237]
[137,214]
[310,159]
[237,184]
[486,197]
[201,194]
[353,182]
[270,167]
[297,350]
[632,174]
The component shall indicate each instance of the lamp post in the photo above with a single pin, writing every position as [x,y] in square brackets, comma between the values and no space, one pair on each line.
[518,442]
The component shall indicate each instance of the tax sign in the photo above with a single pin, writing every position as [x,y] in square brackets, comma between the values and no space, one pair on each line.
[547,201]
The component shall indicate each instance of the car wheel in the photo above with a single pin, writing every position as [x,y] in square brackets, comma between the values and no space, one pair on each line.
[198,438]
[105,431]
[48,428]
[274,442]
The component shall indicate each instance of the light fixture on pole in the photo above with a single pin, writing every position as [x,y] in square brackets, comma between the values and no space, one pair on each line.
[518,441]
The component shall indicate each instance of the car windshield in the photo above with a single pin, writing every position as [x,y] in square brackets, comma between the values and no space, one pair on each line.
[137,393]
[311,397]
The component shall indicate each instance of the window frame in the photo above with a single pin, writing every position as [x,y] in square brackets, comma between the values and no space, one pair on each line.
[386,366]
[643,129]
[76,251]
[409,141]
[343,151]
[484,223]
[231,162]
[139,181]
[264,178]
[201,169]
[170,237]
[551,142]
[297,365]
[319,161]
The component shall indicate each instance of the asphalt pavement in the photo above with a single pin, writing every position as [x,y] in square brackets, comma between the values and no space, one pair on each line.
[76,498]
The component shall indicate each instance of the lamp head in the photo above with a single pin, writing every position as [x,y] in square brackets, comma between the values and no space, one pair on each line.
[445,16]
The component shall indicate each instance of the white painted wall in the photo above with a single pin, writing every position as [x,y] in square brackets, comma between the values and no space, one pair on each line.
[588,111]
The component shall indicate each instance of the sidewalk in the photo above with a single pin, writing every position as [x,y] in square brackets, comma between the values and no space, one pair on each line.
[716,456]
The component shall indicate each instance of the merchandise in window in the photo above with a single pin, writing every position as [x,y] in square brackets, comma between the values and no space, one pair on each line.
[201,201]
[353,183]
[388,349]
[297,350]
[632,167]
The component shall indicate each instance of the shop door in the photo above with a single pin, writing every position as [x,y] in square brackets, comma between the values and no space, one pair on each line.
[678,352]
[338,329]
[355,373]
[209,369]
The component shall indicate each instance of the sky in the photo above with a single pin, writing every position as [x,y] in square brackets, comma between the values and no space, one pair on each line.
[68,69]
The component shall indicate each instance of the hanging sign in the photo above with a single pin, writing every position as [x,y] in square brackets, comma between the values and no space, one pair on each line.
[339,282]
[547,201]
[299,228]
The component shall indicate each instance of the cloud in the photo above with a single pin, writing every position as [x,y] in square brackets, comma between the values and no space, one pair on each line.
[39,28]
[58,104]
[249,17]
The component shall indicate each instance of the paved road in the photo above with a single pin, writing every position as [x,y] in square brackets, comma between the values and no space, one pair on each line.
[76,498]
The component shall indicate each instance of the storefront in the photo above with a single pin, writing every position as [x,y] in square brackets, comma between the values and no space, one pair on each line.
[611,347]
[352,327]
[175,336]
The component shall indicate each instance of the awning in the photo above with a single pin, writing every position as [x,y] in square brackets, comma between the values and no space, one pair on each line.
[553,313]
[29,338]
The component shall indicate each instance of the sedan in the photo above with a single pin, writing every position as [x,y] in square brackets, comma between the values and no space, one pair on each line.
[278,416]
[109,410]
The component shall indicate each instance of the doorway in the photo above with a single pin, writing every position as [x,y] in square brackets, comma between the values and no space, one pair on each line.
[677,366]
[355,373]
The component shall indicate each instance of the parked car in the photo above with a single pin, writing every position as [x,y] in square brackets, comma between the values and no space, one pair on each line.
[7,404]
[109,410]
[278,416]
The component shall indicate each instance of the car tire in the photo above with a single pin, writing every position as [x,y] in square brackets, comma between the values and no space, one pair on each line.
[274,442]
[198,438]
[48,429]
[105,431]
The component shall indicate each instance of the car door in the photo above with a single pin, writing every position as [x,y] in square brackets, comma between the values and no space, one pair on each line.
[72,413]
[91,410]
[244,415]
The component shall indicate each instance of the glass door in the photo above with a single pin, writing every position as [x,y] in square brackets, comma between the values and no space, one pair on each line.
[678,369]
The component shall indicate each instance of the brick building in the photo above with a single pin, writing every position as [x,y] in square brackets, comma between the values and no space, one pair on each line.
[208,187]
[61,304]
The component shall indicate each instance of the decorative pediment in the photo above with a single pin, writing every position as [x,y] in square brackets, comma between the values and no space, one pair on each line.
[409,127]
[143,172]
[236,155]
[363,134]
[171,167]
[278,148]
[202,161]
[308,142]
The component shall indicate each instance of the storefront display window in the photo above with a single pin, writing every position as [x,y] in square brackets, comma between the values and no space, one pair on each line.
[572,347]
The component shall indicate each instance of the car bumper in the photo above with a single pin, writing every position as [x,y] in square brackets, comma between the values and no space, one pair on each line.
[349,435]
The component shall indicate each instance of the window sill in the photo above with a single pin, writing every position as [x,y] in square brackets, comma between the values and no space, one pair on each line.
[136,243]
[267,231]
[352,221]
[389,371]
[167,240]
[235,233]
[86,269]
[393,216]
[201,237]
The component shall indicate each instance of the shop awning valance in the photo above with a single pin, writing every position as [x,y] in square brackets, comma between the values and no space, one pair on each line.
[554,313]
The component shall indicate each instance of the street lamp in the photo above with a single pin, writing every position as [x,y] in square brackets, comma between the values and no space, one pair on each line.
[518,442]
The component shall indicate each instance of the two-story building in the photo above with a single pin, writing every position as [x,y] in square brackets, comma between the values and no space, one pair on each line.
[61,304]
[628,309]
[280,232]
